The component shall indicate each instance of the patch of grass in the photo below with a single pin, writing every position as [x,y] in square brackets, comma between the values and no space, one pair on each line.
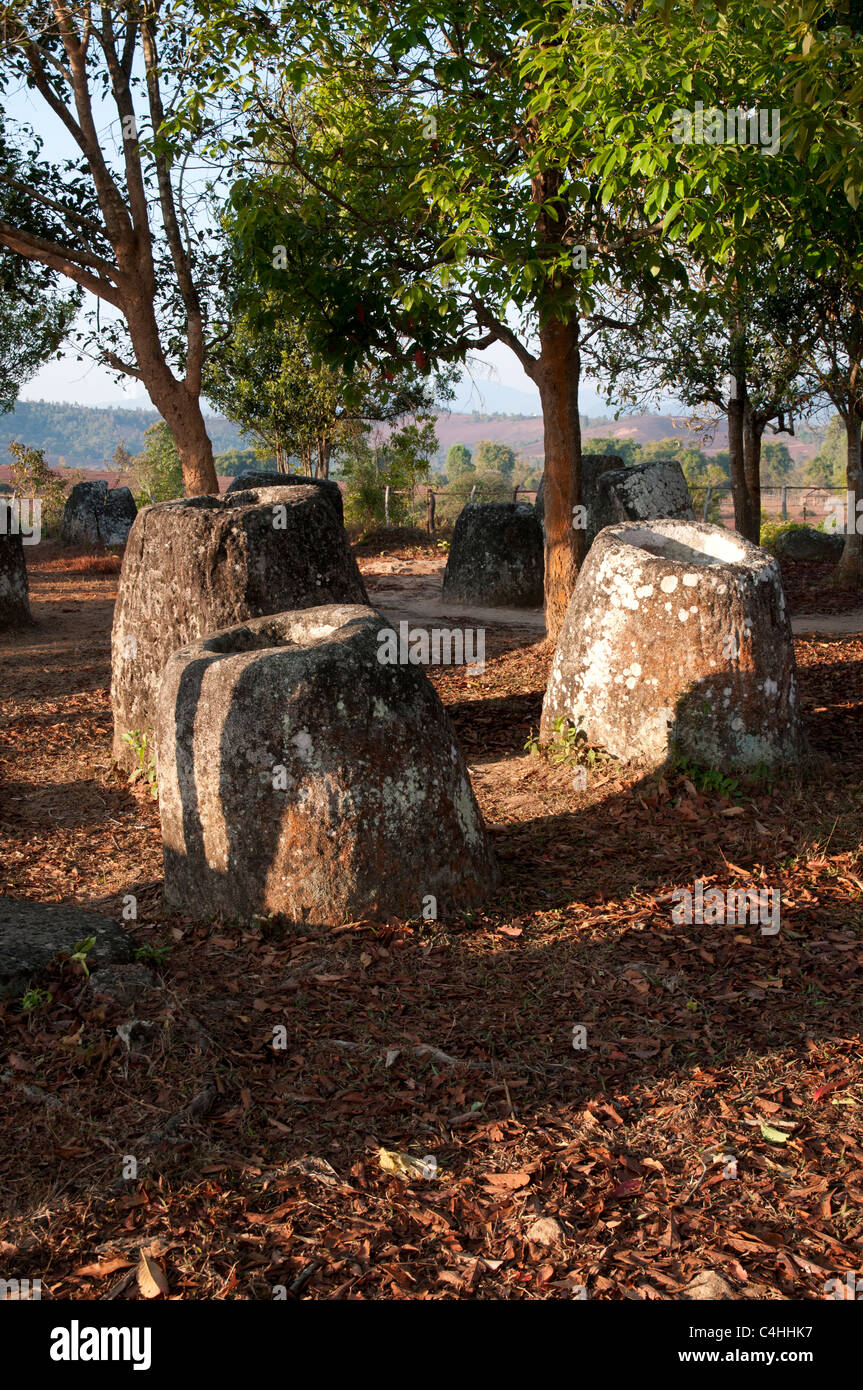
[569,745]
[146,768]
[34,999]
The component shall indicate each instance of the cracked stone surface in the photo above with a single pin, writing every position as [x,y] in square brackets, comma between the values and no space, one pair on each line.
[300,775]
[677,638]
[201,564]
[496,556]
[648,492]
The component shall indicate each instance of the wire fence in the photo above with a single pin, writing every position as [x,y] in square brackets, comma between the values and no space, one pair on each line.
[430,507]
[788,502]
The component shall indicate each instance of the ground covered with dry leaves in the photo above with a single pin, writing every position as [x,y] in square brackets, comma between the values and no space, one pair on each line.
[712,1122]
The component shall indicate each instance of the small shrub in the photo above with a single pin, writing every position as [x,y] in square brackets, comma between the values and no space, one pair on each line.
[32,477]
[772,530]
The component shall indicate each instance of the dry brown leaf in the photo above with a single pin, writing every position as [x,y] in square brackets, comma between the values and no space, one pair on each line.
[152,1280]
[508,1182]
[98,1271]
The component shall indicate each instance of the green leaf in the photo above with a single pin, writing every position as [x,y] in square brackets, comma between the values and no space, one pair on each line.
[775,1136]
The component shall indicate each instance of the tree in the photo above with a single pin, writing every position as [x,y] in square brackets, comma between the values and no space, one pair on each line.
[492,456]
[827,468]
[129,237]
[372,462]
[777,463]
[32,477]
[834,360]
[263,375]
[716,346]
[423,199]
[32,328]
[158,468]
[458,461]
[34,319]
[123,460]
[627,449]
[821,90]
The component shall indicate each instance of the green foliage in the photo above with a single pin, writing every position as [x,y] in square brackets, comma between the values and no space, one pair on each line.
[627,449]
[776,464]
[153,953]
[31,477]
[158,470]
[34,318]
[31,331]
[146,769]
[827,469]
[490,456]
[458,461]
[485,487]
[772,530]
[80,952]
[34,999]
[708,780]
[267,377]
[370,464]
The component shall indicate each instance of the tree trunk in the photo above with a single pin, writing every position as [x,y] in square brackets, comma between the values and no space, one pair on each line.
[182,413]
[557,376]
[753,432]
[850,567]
[737,410]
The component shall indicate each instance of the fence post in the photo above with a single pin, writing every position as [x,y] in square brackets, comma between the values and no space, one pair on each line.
[784,502]
[707,497]
[472,491]
[387,505]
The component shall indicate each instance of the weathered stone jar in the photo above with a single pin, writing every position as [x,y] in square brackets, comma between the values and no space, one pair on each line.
[677,639]
[299,775]
[259,480]
[496,556]
[95,514]
[201,564]
[14,588]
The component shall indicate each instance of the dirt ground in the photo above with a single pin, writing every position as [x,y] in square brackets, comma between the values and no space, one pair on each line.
[713,1120]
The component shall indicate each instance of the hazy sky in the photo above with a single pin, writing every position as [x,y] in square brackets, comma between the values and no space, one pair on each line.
[500,384]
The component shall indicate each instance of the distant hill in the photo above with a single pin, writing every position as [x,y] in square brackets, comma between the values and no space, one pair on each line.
[86,436]
[523,433]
